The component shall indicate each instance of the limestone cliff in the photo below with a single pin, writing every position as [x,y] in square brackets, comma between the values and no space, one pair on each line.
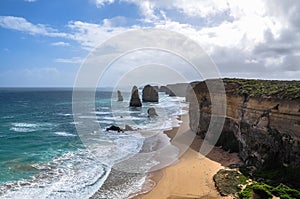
[262,120]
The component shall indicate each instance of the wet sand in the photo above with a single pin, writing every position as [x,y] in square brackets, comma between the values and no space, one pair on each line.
[192,175]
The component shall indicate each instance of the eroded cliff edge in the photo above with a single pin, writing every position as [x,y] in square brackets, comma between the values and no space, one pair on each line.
[262,121]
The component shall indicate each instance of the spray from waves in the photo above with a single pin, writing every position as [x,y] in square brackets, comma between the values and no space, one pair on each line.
[68,176]
[76,174]
[65,134]
[30,127]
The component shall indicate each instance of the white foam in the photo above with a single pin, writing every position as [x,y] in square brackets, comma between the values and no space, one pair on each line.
[101,112]
[65,134]
[22,130]
[65,114]
[71,176]
[29,127]
[26,125]
[105,122]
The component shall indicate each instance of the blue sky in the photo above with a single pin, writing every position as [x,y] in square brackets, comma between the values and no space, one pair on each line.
[43,43]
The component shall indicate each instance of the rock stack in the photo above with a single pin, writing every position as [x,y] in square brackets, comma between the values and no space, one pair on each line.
[152,112]
[150,94]
[120,97]
[135,98]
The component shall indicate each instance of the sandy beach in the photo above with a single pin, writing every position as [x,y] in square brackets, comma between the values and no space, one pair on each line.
[192,175]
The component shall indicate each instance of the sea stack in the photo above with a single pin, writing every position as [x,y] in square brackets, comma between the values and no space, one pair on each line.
[135,98]
[120,97]
[152,112]
[150,94]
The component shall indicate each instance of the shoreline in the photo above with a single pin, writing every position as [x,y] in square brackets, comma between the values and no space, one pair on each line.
[186,178]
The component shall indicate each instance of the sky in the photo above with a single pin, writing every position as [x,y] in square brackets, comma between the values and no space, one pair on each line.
[44,43]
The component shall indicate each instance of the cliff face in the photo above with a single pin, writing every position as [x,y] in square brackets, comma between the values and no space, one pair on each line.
[262,123]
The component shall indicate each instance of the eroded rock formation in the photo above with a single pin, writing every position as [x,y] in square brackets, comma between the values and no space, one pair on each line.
[262,121]
[150,94]
[151,112]
[135,98]
[167,90]
[120,97]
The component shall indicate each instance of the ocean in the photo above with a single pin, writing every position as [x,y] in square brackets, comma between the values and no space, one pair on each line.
[42,155]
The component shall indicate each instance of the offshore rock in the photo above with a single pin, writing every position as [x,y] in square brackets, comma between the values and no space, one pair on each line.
[150,94]
[152,112]
[135,98]
[120,97]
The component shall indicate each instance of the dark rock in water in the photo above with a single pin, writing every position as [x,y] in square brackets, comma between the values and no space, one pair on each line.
[150,94]
[135,98]
[114,128]
[120,97]
[152,112]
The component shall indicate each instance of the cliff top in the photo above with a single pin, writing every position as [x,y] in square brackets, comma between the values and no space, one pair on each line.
[263,88]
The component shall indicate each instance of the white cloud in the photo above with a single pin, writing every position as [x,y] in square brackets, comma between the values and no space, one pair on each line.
[30,1]
[90,35]
[239,35]
[73,60]
[115,21]
[100,3]
[21,24]
[60,43]
[202,8]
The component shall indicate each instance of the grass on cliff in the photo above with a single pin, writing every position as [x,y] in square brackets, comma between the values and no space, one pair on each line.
[267,191]
[232,182]
[286,175]
[264,88]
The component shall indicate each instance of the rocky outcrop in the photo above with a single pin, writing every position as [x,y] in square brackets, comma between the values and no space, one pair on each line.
[150,94]
[179,89]
[167,90]
[151,112]
[135,98]
[114,128]
[262,121]
[120,97]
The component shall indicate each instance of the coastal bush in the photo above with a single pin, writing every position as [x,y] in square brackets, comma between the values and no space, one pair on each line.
[246,193]
[260,88]
[260,189]
[266,191]
[285,192]
[285,175]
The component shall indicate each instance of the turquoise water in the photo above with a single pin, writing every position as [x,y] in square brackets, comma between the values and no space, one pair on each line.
[42,155]
[35,126]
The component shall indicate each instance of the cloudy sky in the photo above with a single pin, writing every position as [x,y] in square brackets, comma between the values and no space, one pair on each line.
[43,43]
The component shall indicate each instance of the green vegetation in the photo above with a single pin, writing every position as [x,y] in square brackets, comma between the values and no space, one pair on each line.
[261,189]
[285,192]
[263,88]
[287,175]
[233,182]
[267,191]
